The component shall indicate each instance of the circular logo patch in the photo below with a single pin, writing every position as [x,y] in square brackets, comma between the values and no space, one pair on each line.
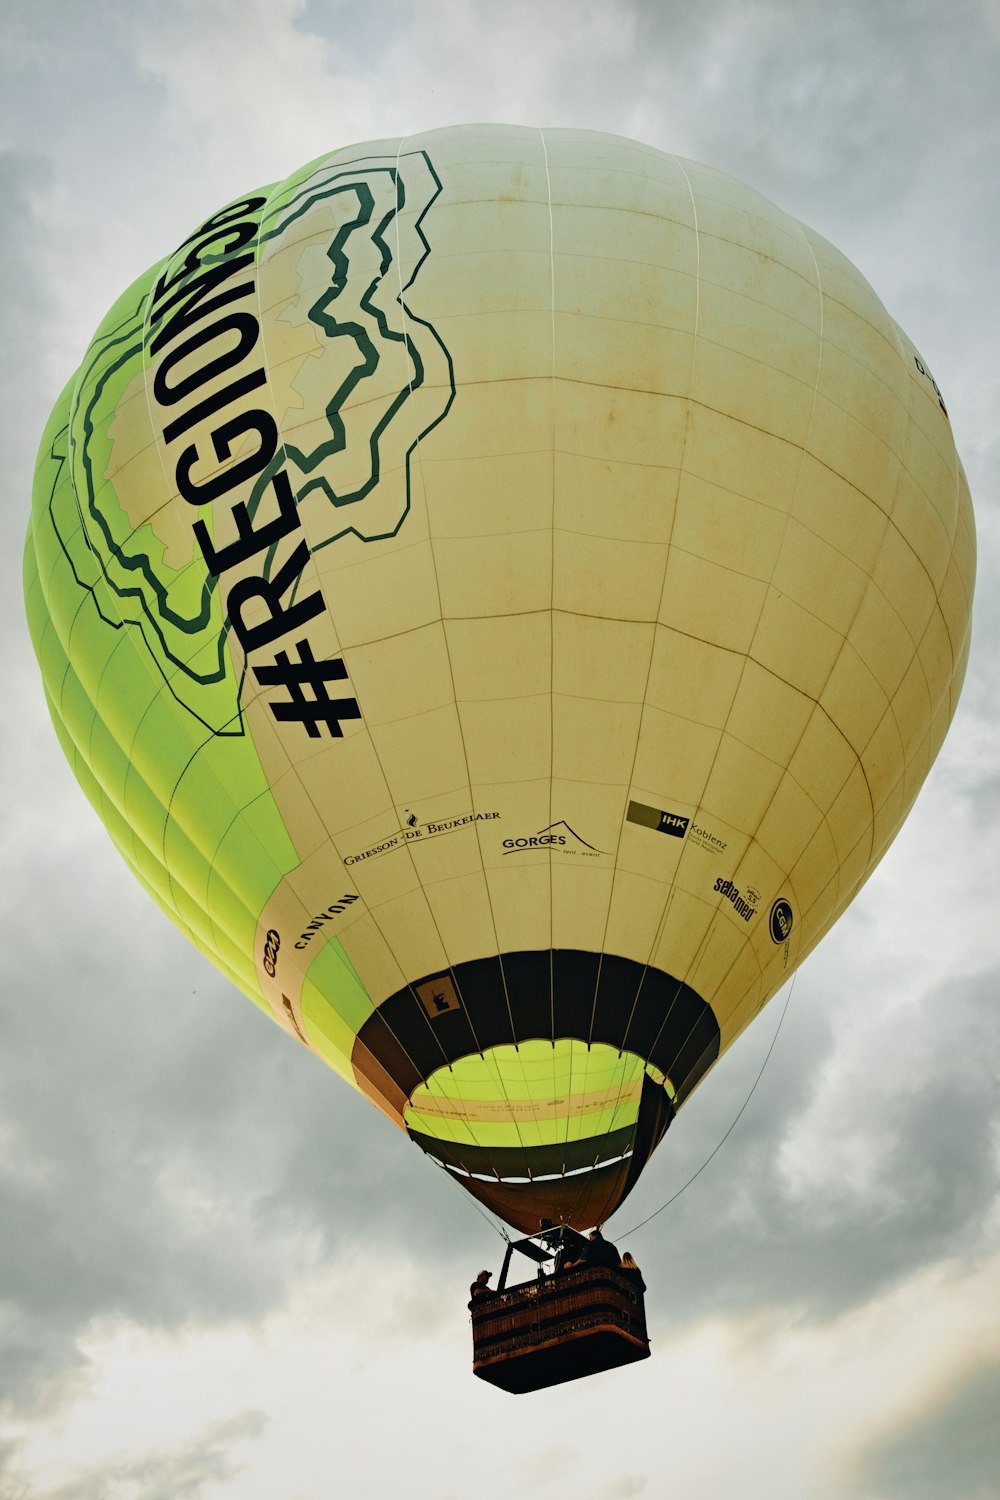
[781,920]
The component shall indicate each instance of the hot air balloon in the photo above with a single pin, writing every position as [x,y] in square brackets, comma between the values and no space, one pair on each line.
[503,590]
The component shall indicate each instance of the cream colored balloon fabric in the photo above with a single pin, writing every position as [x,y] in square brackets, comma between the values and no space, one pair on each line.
[643,542]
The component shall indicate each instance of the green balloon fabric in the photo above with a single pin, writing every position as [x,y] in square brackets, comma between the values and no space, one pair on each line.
[502,591]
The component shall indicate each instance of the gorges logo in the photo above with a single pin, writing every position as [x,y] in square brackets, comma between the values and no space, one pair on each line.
[558,836]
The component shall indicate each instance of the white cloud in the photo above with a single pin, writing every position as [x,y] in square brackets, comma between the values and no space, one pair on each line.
[251,90]
[338,1383]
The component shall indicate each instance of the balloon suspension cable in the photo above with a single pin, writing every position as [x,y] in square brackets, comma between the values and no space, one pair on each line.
[468,1199]
[718,1148]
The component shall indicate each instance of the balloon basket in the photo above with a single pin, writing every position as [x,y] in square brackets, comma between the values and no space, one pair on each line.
[574,1323]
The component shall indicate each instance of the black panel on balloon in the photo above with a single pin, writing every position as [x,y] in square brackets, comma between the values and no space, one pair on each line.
[565,992]
[528,1161]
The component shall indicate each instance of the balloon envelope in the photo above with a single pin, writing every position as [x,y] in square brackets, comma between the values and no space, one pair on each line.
[503,590]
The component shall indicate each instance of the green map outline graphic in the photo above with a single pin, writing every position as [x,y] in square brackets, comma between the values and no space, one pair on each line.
[95,375]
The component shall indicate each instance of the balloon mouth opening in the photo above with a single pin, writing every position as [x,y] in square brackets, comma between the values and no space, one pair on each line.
[578,1183]
[540,1097]
[608,1161]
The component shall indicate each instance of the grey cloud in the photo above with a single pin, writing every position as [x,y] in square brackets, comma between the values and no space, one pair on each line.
[621,1489]
[986,789]
[22,389]
[65,66]
[947,1450]
[817,93]
[170,1476]
[13,1484]
[923,1113]
[546,1466]
[175,1157]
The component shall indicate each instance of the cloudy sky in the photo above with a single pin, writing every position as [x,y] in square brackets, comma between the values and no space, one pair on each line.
[221,1275]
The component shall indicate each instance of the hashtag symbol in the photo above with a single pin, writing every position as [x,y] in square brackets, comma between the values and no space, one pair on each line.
[294,677]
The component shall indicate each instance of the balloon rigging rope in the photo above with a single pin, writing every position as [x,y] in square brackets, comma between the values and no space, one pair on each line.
[718,1148]
[472,1202]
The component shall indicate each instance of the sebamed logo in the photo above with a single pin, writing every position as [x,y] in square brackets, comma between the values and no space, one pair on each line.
[558,837]
[742,906]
